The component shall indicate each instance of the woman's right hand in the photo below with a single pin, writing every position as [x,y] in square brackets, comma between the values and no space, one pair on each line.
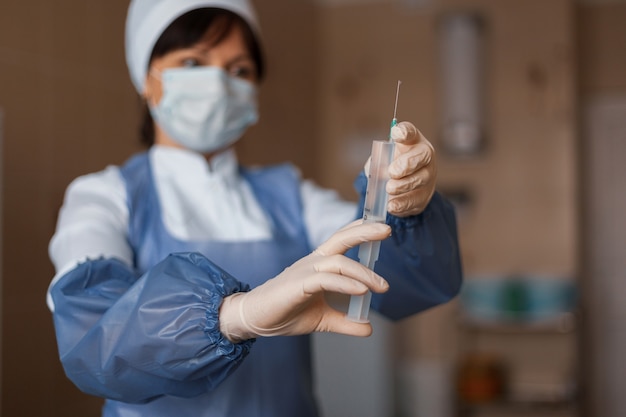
[293,302]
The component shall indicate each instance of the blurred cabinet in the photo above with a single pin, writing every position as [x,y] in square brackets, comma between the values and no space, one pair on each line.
[518,357]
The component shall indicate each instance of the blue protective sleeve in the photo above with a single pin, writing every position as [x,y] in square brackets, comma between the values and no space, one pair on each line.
[133,339]
[421,260]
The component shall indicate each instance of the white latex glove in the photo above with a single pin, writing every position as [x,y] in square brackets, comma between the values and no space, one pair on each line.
[293,302]
[413,172]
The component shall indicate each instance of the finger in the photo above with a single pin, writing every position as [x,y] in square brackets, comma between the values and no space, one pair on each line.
[332,282]
[406,206]
[336,322]
[352,235]
[343,275]
[405,133]
[416,157]
[366,167]
[409,204]
[420,179]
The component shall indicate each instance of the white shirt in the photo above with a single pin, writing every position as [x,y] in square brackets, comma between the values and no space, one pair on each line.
[198,199]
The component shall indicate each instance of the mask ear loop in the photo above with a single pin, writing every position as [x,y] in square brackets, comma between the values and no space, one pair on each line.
[158,75]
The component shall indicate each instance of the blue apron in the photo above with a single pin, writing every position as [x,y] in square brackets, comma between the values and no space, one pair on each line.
[275,380]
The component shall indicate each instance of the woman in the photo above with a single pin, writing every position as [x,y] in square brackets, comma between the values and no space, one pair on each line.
[176,271]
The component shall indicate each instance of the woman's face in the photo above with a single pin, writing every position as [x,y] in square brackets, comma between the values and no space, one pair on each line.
[231,54]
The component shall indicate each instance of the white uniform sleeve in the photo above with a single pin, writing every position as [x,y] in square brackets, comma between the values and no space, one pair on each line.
[93,221]
[324,212]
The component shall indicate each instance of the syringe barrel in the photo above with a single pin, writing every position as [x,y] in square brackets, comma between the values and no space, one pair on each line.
[374,210]
[375,207]
[368,253]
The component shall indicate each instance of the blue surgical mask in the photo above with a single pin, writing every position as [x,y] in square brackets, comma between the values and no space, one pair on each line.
[205,109]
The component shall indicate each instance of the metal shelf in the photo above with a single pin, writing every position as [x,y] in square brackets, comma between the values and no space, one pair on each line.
[511,408]
[559,323]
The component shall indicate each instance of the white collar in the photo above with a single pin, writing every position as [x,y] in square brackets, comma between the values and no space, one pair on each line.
[189,164]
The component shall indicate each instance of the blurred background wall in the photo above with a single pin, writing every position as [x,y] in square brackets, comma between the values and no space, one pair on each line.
[541,198]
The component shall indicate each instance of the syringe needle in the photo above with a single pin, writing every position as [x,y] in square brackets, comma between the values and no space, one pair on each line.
[394,121]
[395,107]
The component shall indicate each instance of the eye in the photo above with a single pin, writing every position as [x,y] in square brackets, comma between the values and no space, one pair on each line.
[190,62]
[243,71]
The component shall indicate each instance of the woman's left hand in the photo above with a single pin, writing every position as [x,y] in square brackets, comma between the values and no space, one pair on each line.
[413,172]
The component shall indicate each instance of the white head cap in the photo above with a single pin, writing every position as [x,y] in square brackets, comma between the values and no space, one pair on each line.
[147,19]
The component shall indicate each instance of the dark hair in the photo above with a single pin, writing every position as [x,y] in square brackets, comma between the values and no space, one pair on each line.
[187,30]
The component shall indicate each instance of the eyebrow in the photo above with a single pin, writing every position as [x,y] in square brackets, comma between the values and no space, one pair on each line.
[241,57]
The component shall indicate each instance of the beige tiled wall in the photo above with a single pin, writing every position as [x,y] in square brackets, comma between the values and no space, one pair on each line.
[69,109]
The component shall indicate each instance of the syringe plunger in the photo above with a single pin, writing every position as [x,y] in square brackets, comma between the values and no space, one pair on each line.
[374,210]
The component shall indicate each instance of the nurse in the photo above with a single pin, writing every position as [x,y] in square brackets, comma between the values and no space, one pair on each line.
[187,284]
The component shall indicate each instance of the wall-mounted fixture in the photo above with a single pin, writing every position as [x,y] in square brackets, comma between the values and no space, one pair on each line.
[461,52]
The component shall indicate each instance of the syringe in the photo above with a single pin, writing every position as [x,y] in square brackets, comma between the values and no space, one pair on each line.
[374,210]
